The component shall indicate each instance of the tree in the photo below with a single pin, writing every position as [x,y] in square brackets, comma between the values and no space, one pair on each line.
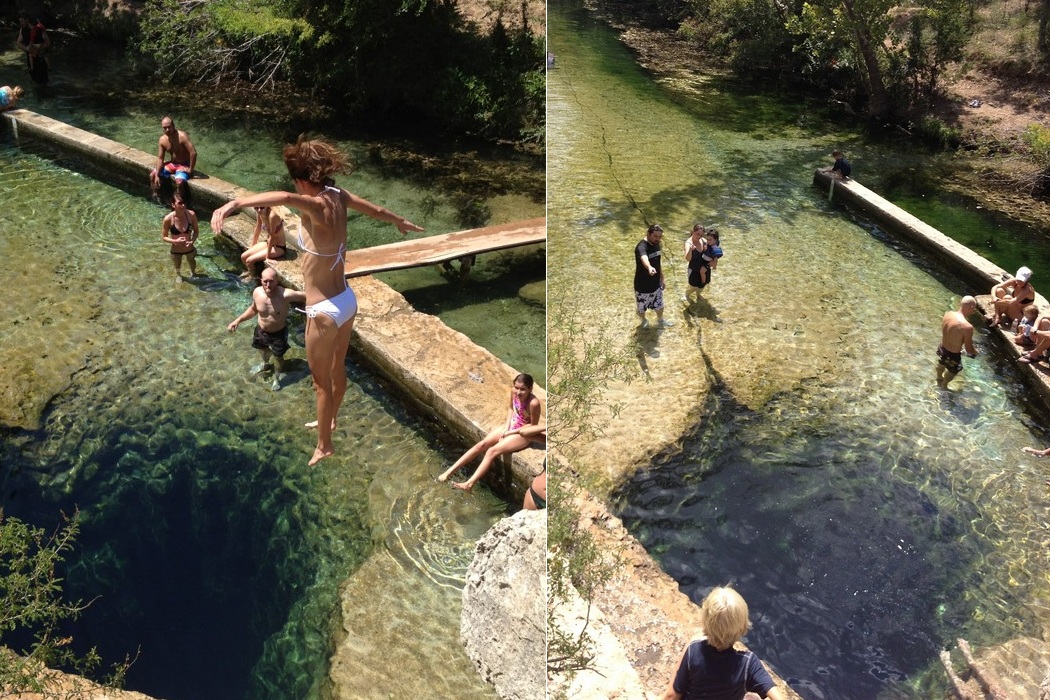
[31,604]
[889,46]
[216,42]
[580,364]
[372,59]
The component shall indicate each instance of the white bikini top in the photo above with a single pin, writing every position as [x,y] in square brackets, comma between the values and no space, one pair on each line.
[338,255]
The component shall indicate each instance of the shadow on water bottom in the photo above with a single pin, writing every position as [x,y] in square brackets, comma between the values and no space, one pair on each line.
[857,558]
[198,550]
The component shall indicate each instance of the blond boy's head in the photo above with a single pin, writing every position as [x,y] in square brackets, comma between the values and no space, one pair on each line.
[724,618]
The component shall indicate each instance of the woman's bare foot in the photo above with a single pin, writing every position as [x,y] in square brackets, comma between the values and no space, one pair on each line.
[447,473]
[320,454]
[1033,451]
[465,486]
[313,424]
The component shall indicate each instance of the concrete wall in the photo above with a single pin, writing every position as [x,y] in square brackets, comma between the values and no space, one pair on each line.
[973,269]
[440,370]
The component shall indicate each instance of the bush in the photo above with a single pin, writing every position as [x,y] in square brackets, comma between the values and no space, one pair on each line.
[31,605]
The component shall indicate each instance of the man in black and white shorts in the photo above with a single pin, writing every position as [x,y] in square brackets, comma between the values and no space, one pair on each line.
[649,280]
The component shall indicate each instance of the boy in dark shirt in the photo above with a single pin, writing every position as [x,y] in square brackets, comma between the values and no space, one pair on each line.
[841,168]
[711,667]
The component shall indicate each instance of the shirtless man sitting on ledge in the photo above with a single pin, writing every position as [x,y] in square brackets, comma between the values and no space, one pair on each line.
[183,157]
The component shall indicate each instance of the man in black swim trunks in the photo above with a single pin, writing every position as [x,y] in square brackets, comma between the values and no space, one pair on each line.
[956,334]
[272,303]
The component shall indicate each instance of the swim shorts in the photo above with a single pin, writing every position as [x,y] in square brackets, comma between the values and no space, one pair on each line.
[952,361]
[176,170]
[276,342]
[539,500]
[649,300]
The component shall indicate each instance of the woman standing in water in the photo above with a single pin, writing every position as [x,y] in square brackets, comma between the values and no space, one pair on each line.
[330,303]
[179,230]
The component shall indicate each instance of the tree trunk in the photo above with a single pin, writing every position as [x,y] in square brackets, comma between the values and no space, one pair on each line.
[879,105]
[1044,17]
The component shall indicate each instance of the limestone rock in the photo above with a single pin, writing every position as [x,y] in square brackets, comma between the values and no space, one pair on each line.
[503,624]
[534,293]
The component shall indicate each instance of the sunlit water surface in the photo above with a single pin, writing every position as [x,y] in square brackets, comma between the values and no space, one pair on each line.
[89,90]
[868,518]
[213,550]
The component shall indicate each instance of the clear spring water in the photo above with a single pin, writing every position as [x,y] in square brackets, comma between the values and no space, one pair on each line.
[210,544]
[89,89]
[868,518]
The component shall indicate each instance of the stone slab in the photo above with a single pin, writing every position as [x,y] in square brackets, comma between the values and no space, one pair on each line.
[972,268]
[442,371]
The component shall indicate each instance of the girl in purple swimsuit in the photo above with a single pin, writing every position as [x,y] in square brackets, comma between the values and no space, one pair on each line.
[330,303]
[504,439]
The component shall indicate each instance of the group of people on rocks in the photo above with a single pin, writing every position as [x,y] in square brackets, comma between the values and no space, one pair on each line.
[1013,305]
[702,252]
[330,303]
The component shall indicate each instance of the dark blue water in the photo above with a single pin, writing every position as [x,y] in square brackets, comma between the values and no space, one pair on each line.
[837,555]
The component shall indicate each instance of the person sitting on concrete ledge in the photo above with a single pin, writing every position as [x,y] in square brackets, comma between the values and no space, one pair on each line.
[274,247]
[1010,298]
[841,169]
[1039,352]
[1025,335]
[504,439]
[183,158]
[9,96]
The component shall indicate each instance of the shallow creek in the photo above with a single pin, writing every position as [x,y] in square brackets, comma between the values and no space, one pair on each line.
[787,430]
[213,549]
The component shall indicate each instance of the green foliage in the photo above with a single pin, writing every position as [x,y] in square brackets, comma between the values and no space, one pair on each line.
[368,59]
[500,92]
[748,35]
[1037,138]
[889,54]
[577,566]
[580,364]
[31,603]
[936,131]
[214,42]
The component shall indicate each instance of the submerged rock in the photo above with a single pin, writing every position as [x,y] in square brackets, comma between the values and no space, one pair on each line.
[503,624]
[534,293]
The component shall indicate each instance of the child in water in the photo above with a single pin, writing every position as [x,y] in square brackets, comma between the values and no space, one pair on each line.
[504,439]
[712,252]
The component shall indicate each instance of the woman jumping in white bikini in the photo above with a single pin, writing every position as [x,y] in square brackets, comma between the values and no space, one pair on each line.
[330,303]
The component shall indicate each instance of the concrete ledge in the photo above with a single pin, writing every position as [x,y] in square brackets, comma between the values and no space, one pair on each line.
[442,371]
[974,269]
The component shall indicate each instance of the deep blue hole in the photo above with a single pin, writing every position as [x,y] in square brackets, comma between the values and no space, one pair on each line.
[190,558]
[854,578]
